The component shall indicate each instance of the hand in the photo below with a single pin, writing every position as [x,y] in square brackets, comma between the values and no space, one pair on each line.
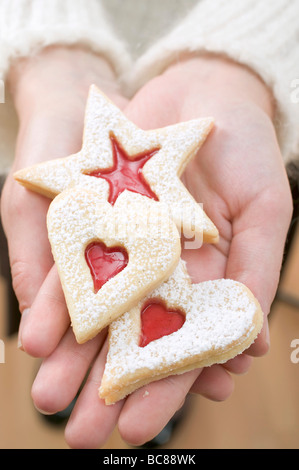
[248,248]
[50,92]
[240,178]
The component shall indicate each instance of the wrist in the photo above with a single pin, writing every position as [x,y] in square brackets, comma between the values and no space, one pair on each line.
[59,74]
[223,83]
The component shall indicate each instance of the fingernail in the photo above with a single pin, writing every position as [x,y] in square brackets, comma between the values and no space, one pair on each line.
[46,413]
[23,319]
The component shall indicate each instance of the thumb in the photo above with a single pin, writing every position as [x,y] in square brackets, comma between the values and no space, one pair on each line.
[256,253]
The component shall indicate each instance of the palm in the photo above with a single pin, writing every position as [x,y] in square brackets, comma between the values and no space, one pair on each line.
[238,175]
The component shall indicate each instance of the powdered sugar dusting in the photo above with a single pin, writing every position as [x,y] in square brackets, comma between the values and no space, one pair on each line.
[219,314]
[177,144]
[76,217]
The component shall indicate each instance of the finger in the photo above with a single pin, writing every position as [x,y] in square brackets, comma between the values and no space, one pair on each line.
[45,323]
[156,403]
[91,421]
[62,373]
[239,365]
[256,253]
[214,383]
[206,263]
[24,217]
[261,345]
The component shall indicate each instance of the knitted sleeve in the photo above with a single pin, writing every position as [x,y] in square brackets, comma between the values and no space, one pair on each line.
[263,35]
[29,25]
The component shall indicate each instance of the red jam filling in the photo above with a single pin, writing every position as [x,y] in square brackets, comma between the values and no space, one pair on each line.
[126,173]
[158,321]
[104,263]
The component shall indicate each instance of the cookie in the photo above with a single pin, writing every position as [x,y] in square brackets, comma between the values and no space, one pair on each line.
[117,155]
[108,257]
[178,327]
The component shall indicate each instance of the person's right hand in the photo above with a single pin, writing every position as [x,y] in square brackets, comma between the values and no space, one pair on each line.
[49,92]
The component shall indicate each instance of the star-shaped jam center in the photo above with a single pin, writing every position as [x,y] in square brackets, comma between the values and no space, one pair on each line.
[126,172]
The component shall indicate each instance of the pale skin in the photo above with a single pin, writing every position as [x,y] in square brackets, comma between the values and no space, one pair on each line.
[238,175]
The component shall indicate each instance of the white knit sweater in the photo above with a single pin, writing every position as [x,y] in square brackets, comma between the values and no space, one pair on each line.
[141,38]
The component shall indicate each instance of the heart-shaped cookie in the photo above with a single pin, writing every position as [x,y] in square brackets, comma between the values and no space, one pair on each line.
[157,321]
[222,320]
[141,245]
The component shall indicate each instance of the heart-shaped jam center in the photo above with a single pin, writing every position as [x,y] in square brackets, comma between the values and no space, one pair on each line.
[104,263]
[157,321]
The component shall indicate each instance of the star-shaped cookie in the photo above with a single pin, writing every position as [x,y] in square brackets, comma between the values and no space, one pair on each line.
[116,155]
